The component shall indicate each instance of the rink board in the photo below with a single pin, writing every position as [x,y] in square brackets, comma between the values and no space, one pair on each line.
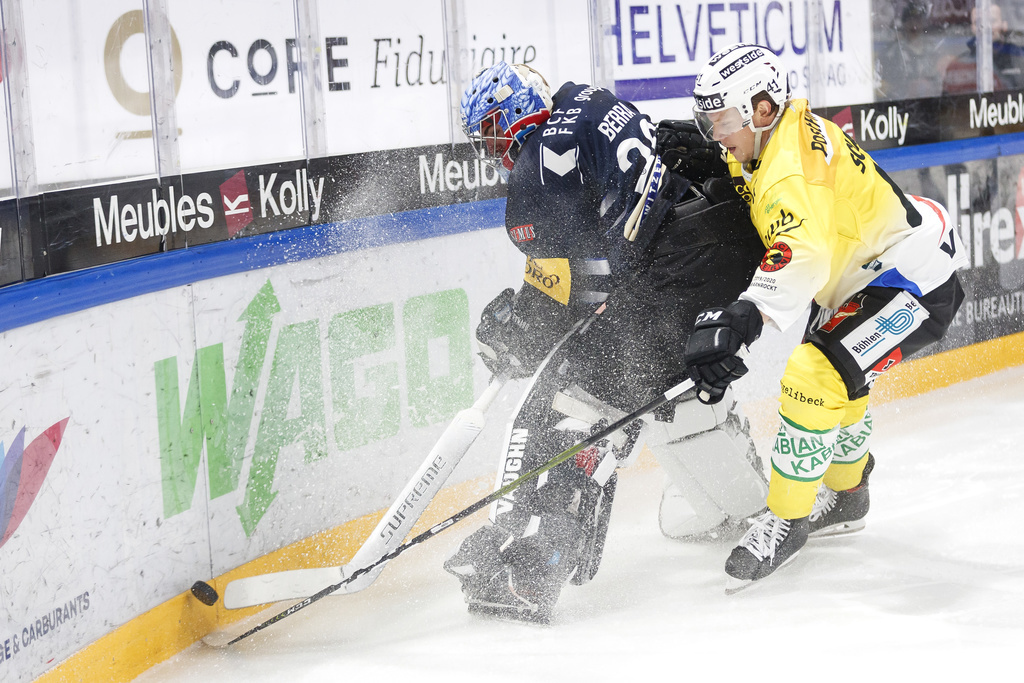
[177,623]
[329,379]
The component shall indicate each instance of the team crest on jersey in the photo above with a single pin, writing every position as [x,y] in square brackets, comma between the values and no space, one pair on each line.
[522,233]
[558,163]
[777,257]
[841,314]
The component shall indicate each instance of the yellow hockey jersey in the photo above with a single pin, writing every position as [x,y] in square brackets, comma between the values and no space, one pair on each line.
[833,222]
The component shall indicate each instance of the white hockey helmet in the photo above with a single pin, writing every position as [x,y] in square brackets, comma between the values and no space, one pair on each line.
[728,84]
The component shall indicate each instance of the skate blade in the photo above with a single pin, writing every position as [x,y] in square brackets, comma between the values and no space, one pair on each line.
[840,529]
[734,585]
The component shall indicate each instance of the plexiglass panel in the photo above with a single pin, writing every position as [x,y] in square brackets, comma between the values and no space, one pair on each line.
[238,100]
[88,84]
[928,49]
[384,76]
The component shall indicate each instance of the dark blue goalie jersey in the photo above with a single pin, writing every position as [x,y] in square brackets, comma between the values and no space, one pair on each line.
[586,194]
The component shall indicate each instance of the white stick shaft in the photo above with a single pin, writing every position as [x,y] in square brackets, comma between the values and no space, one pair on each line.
[403,514]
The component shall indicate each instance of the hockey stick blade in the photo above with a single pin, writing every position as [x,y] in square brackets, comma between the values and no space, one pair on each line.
[462,514]
[392,528]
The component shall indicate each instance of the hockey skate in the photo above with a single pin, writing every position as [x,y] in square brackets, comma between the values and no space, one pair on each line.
[841,512]
[518,580]
[770,543]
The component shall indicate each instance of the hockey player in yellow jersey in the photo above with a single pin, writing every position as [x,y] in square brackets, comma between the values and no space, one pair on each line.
[876,266]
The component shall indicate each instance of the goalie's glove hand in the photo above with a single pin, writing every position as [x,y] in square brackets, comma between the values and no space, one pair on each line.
[685,151]
[713,350]
[506,336]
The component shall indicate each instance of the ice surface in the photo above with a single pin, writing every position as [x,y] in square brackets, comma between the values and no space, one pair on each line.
[932,589]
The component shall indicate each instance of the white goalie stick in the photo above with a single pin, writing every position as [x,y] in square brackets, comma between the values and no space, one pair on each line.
[393,527]
[223,638]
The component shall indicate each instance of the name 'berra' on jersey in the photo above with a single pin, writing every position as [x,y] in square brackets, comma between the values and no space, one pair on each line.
[833,222]
[582,178]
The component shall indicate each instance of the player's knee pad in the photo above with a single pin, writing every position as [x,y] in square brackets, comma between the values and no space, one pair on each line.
[712,466]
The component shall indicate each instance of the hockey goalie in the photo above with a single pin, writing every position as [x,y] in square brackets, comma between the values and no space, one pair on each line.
[629,230]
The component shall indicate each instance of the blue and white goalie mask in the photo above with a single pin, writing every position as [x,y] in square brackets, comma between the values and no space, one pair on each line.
[502,106]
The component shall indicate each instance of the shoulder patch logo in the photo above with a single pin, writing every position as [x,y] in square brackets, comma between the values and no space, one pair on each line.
[522,233]
[560,164]
[777,257]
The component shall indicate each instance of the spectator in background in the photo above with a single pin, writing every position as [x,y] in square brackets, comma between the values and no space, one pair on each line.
[1007,60]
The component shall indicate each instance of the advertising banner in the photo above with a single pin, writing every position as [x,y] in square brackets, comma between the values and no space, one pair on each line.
[382,75]
[171,437]
[85,227]
[659,47]
[985,200]
[902,123]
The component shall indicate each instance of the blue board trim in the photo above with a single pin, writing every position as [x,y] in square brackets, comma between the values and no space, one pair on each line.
[30,302]
[952,152]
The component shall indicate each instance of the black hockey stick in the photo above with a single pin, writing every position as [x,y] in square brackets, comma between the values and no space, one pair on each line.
[462,514]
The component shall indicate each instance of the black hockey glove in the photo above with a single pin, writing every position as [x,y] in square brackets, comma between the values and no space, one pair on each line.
[712,352]
[517,330]
[685,151]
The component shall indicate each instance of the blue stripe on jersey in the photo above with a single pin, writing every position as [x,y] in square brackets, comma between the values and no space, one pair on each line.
[895,279]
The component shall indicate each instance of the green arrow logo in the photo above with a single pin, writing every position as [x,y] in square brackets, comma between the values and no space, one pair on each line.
[296,360]
[207,414]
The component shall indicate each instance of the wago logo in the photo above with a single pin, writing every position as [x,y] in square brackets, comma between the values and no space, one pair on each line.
[22,472]
[306,390]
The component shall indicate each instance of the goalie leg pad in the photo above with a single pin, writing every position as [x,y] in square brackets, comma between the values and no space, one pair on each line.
[686,511]
[595,516]
[509,577]
[715,474]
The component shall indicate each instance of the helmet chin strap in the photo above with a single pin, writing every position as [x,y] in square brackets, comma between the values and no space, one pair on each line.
[760,131]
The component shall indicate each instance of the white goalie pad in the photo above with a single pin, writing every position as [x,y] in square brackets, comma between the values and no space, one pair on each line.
[714,475]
